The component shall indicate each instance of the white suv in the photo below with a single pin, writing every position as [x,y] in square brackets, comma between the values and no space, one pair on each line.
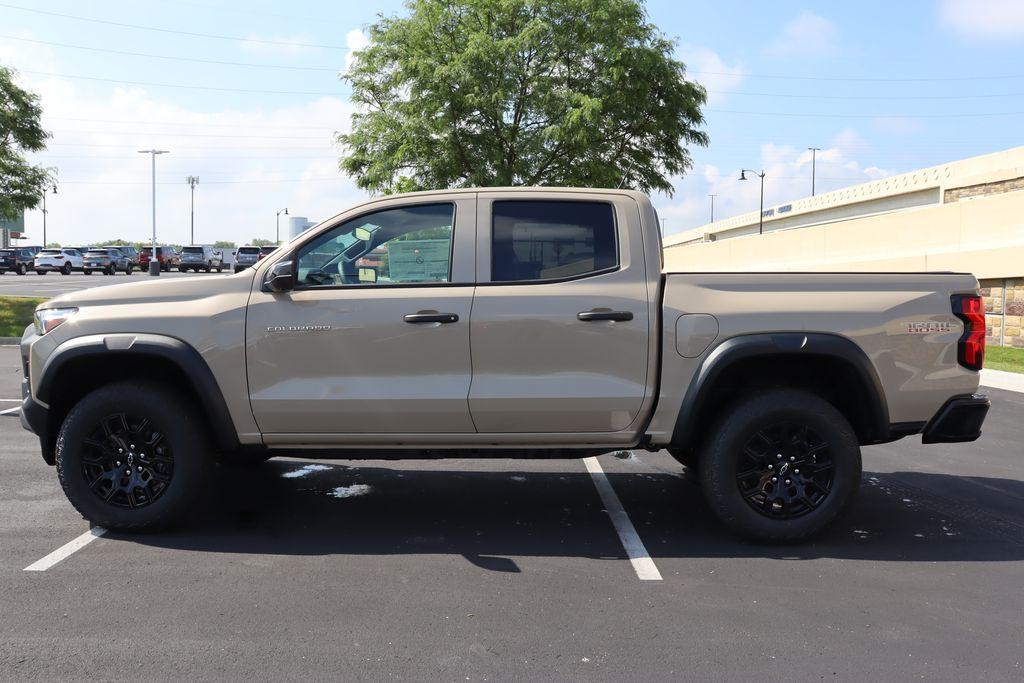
[62,260]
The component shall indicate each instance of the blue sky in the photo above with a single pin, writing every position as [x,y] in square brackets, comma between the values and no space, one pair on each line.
[881,87]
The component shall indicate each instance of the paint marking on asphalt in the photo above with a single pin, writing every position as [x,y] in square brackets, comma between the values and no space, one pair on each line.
[10,400]
[10,411]
[66,550]
[642,563]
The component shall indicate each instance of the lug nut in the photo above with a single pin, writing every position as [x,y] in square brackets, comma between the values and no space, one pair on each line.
[771,467]
[796,471]
[792,458]
[787,482]
[140,468]
[132,447]
[779,456]
[120,450]
[118,463]
[774,479]
[127,471]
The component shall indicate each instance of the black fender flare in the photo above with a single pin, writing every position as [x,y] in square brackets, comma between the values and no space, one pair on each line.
[808,344]
[182,355]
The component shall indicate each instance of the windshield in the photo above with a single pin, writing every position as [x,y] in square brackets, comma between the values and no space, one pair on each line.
[249,250]
[97,252]
[192,250]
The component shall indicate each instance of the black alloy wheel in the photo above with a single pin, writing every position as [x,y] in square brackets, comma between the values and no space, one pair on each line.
[127,462]
[779,465]
[66,270]
[785,470]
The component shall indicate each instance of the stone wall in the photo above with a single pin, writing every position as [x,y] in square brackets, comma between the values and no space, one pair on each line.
[955,194]
[1004,304]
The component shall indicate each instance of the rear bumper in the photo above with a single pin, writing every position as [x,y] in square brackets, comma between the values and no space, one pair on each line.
[959,420]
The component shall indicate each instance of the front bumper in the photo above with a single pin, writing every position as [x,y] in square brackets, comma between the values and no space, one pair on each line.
[959,420]
[35,417]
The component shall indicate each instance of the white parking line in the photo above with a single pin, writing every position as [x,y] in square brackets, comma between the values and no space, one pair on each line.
[66,550]
[10,411]
[642,563]
[10,400]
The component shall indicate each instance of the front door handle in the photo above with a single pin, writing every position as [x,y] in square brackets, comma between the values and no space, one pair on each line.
[596,314]
[442,318]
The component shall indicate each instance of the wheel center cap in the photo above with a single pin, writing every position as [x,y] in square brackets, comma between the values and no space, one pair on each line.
[783,468]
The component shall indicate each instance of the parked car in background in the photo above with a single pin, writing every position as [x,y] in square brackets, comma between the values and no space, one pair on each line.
[197,257]
[245,257]
[62,260]
[107,260]
[166,256]
[266,251]
[16,259]
[130,252]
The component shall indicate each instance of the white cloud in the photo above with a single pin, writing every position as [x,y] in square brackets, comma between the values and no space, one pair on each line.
[806,35]
[984,19]
[355,40]
[707,68]
[251,160]
[787,177]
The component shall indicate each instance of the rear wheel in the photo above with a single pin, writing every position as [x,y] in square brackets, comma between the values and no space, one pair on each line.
[780,466]
[87,272]
[40,272]
[133,456]
[22,269]
[128,269]
[220,267]
[66,270]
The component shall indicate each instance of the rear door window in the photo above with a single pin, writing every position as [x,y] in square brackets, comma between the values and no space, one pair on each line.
[538,241]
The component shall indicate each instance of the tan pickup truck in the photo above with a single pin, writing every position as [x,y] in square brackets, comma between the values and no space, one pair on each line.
[507,323]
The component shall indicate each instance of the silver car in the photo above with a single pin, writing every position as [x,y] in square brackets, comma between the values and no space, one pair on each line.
[197,257]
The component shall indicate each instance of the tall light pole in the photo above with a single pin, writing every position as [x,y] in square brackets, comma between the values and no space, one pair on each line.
[154,264]
[192,181]
[814,153]
[760,213]
[278,219]
[54,190]
[712,206]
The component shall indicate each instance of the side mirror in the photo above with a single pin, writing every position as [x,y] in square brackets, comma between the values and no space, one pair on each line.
[281,277]
[368,275]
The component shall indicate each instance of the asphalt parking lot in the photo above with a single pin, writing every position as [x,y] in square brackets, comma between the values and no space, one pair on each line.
[55,284]
[503,569]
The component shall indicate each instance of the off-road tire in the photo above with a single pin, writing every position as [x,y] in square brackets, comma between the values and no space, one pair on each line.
[181,427]
[720,459]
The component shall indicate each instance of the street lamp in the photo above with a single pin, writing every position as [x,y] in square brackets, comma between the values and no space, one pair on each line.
[54,190]
[712,206]
[814,151]
[154,264]
[192,181]
[760,213]
[278,219]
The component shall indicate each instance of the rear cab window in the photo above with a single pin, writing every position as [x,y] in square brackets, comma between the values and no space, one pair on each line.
[544,241]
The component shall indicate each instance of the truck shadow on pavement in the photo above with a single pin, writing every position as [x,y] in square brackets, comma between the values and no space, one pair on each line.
[491,517]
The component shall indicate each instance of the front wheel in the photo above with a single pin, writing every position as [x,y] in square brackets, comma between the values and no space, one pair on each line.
[22,269]
[128,269]
[133,456]
[780,466]
[87,272]
[66,270]
[40,272]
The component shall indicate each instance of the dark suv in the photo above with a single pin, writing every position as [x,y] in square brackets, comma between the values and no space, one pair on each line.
[16,259]
[106,260]
[130,252]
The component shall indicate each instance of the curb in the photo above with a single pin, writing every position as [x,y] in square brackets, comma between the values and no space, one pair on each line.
[997,379]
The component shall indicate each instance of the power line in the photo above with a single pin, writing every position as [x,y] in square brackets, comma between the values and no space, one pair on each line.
[865,116]
[191,135]
[167,30]
[185,87]
[180,123]
[866,97]
[922,79]
[174,58]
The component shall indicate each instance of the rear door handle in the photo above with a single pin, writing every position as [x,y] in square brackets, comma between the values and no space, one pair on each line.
[619,316]
[442,318]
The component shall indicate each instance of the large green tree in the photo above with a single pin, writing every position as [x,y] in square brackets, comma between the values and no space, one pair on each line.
[461,93]
[21,183]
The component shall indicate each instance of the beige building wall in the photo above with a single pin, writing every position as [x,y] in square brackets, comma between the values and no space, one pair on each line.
[972,221]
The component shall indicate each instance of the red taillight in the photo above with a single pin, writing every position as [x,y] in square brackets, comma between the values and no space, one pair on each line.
[970,348]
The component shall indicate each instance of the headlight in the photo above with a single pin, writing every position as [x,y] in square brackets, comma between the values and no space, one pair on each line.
[49,318]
